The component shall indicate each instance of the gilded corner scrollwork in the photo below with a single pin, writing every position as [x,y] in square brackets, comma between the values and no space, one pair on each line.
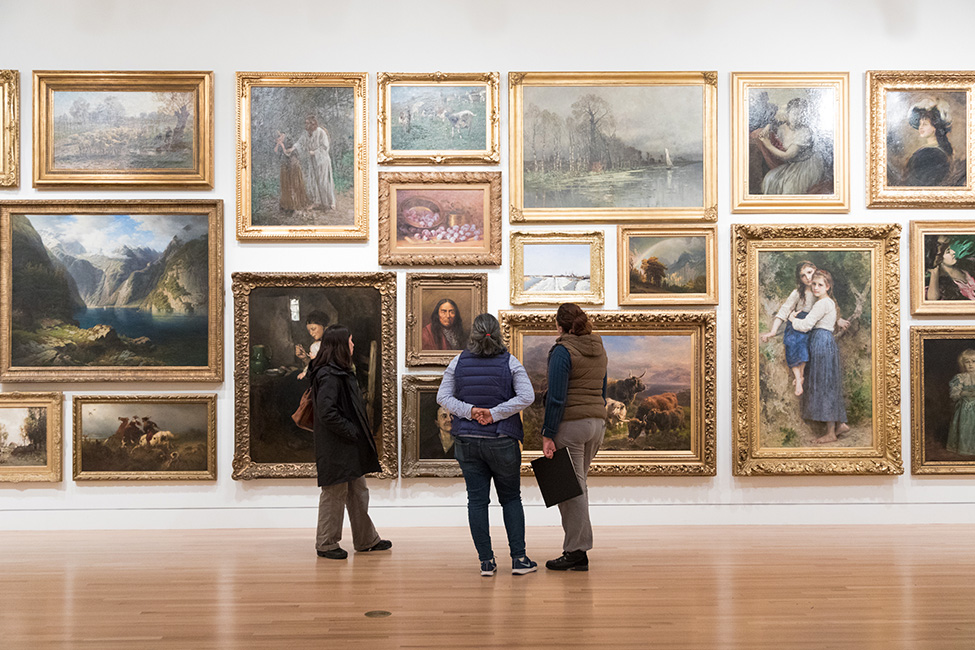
[9,128]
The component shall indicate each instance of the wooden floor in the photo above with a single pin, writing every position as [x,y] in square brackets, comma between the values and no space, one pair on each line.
[876,587]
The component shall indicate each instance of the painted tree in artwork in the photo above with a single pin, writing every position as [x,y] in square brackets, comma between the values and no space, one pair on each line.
[177,104]
[4,436]
[596,118]
[34,428]
[653,271]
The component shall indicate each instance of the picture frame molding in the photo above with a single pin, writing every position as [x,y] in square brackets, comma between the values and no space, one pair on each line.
[52,472]
[9,128]
[597,261]
[626,296]
[416,283]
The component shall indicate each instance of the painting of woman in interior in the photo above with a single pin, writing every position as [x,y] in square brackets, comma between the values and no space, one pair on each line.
[920,150]
[949,267]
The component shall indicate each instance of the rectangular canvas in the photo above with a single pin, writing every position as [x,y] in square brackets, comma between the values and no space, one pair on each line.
[943,268]
[30,437]
[111,291]
[440,308]
[660,409]
[145,437]
[123,130]
[667,265]
[9,128]
[556,267]
[428,447]
[612,146]
[790,142]
[817,391]
[301,159]
[272,342]
[439,118]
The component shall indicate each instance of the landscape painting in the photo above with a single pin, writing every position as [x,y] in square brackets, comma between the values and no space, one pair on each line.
[145,437]
[111,291]
[555,267]
[30,437]
[667,266]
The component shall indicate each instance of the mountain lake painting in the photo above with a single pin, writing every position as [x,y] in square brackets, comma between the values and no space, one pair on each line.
[668,264]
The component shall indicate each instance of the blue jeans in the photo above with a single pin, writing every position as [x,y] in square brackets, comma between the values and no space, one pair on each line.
[482,459]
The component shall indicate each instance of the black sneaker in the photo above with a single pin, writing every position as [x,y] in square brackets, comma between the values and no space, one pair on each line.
[570,561]
[334,553]
[381,545]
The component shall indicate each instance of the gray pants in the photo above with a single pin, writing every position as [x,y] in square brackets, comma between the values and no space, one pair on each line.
[335,499]
[583,438]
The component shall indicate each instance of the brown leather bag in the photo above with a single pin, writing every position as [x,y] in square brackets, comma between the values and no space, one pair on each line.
[304,415]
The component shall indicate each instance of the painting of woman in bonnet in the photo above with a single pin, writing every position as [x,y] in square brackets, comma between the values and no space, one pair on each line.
[934,161]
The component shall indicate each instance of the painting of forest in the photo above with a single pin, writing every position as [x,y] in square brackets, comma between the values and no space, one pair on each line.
[781,408]
[23,436]
[613,146]
[123,130]
[302,156]
[668,265]
[438,117]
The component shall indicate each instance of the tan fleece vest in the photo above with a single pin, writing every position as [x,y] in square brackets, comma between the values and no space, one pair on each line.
[585,396]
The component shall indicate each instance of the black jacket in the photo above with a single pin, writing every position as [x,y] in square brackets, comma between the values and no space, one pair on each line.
[344,446]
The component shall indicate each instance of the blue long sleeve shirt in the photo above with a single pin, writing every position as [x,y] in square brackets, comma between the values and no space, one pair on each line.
[559,367]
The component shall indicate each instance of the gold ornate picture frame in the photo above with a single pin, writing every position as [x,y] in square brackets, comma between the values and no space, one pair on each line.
[123,130]
[271,312]
[302,172]
[9,128]
[113,291]
[440,308]
[145,437]
[667,265]
[31,432]
[661,415]
[552,267]
[942,400]
[942,268]
[662,166]
[428,448]
[920,139]
[440,218]
[790,142]
[439,118]
[847,418]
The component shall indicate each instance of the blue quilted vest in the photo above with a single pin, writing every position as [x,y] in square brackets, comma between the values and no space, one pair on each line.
[485,382]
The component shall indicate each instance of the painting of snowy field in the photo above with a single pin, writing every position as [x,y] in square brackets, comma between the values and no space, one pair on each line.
[560,268]
[556,267]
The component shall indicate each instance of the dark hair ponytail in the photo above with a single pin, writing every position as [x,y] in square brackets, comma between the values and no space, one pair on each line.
[572,319]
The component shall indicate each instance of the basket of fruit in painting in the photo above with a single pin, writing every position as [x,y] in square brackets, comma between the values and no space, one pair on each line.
[424,220]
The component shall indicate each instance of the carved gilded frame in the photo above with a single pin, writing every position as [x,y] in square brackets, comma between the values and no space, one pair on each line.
[246,229]
[883,454]
[50,472]
[706,81]
[212,372]
[244,284]
[209,474]
[879,193]
[491,153]
[416,285]
[920,304]
[744,201]
[597,256]
[405,253]
[198,177]
[700,326]
[628,297]
[9,128]
[413,465]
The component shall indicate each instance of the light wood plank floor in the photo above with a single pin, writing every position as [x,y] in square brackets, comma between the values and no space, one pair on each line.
[876,587]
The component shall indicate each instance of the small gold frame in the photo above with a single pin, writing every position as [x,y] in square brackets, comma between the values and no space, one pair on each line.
[9,128]
[597,256]
[416,285]
[50,472]
[627,297]
[489,155]
[246,230]
[920,304]
[413,465]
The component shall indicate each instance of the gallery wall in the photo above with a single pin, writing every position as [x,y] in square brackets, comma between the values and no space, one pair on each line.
[463,36]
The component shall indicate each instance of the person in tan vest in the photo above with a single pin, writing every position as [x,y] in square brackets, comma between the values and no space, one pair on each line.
[575,417]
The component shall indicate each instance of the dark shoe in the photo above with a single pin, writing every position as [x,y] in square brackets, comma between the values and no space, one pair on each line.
[381,545]
[522,565]
[334,553]
[570,561]
[489,567]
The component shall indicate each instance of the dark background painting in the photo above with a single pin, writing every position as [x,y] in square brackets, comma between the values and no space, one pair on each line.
[939,366]
[430,296]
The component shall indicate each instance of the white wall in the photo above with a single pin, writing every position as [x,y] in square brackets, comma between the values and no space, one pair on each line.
[458,35]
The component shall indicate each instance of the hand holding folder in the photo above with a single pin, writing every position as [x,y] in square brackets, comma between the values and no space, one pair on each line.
[556,478]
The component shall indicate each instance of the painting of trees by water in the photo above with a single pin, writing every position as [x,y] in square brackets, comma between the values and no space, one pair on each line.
[30,437]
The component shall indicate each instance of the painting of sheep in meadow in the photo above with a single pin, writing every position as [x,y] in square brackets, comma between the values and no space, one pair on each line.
[438,117]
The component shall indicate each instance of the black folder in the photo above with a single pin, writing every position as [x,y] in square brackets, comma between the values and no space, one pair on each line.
[556,478]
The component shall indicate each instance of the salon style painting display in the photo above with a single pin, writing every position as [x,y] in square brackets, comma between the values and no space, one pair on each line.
[790,142]
[816,344]
[428,447]
[943,268]
[663,265]
[440,308]
[557,266]
[30,437]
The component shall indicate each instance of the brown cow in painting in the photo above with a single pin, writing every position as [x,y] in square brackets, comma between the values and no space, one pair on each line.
[648,414]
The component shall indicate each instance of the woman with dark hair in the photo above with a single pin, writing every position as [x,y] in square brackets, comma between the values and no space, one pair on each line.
[950,268]
[445,331]
[575,417]
[344,449]
[931,164]
[484,388]
[315,322]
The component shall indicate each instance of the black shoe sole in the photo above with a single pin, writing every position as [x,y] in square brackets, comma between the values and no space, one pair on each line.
[578,567]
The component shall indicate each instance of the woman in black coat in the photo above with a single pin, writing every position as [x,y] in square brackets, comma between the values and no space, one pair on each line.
[344,449]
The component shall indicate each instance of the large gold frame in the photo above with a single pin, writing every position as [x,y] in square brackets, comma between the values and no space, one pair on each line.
[741,199]
[9,128]
[213,372]
[490,155]
[707,211]
[884,455]
[413,465]
[628,298]
[415,284]
[46,82]
[51,471]
[388,253]
[920,305]
[701,325]
[209,474]
[243,283]
[597,262]
[879,195]
[247,231]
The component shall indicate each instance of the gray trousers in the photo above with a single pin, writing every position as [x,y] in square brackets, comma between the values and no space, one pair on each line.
[332,504]
[583,438]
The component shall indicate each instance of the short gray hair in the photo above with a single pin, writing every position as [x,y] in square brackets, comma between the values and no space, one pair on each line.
[485,338]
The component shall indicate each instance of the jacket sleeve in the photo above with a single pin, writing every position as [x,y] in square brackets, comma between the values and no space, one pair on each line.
[328,412]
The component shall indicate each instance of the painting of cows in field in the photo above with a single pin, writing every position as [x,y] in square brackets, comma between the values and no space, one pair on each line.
[438,117]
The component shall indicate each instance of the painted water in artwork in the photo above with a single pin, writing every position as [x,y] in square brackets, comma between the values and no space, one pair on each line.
[438,118]
[23,437]
[668,265]
[557,268]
